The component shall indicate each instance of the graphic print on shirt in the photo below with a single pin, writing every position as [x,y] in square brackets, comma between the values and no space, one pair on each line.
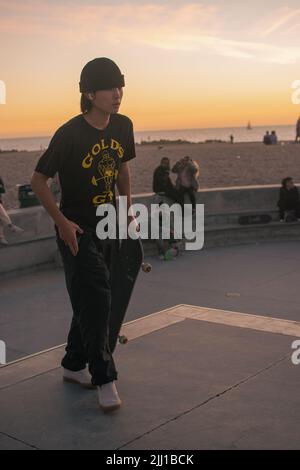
[104,168]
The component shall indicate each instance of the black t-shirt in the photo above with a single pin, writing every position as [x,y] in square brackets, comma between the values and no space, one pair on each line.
[88,161]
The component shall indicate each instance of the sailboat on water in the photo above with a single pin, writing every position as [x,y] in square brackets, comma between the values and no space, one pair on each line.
[249,127]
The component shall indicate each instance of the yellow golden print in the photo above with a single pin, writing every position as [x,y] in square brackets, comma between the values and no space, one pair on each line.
[102,145]
[103,198]
[88,161]
[106,170]
[96,149]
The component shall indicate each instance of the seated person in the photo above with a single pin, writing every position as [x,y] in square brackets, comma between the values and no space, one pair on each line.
[289,201]
[273,138]
[267,138]
[187,178]
[162,183]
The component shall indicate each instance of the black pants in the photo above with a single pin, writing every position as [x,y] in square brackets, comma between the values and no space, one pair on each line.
[283,207]
[191,193]
[88,281]
[175,195]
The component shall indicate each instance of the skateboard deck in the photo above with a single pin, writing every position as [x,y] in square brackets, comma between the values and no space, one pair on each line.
[254,219]
[128,261]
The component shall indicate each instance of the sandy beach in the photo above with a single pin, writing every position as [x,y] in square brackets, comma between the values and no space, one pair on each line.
[221,165]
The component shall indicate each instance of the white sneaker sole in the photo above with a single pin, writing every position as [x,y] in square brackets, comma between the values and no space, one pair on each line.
[109,409]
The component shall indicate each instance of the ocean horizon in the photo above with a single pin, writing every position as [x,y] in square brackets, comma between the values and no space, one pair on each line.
[241,134]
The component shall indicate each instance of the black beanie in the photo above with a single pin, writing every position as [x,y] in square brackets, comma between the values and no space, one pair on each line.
[100,74]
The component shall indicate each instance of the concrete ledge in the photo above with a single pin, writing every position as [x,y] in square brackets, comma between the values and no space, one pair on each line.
[27,254]
[223,206]
[234,199]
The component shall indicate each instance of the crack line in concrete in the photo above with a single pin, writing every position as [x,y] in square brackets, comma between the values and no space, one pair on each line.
[5,387]
[205,402]
[18,440]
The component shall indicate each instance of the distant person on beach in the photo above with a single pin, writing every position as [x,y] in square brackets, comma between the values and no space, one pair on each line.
[298,131]
[187,178]
[231,139]
[5,220]
[289,201]
[162,183]
[273,138]
[267,138]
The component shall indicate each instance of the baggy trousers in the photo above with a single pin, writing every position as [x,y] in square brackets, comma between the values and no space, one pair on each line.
[88,281]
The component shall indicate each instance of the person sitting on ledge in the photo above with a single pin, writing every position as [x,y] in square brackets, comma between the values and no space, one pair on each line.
[162,183]
[289,201]
[5,219]
[187,171]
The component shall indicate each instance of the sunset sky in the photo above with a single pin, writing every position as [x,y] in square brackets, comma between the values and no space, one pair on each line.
[187,64]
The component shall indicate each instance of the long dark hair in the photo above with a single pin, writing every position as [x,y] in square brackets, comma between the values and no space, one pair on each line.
[85,104]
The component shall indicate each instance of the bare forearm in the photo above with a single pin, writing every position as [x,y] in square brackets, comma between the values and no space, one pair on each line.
[124,183]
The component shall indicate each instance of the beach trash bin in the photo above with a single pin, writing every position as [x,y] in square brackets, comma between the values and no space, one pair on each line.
[26,196]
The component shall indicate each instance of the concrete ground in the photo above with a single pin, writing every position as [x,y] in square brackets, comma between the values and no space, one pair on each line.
[262,279]
[193,376]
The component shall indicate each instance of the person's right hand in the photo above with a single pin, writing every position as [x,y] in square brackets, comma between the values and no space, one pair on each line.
[67,232]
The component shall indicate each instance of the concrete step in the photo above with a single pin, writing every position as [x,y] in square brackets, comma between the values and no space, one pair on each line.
[34,254]
[241,234]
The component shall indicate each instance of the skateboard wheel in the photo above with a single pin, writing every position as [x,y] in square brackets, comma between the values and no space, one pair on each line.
[123,339]
[146,267]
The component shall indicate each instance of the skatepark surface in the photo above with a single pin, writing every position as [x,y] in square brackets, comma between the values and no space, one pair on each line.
[207,366]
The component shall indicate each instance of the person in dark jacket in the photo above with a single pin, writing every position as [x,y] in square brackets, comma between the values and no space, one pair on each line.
[162,183]
[289,200]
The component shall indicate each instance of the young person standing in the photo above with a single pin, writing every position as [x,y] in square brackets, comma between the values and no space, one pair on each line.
[90,153]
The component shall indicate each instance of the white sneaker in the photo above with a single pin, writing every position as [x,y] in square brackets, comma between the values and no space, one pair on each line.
[15,229]
[82,378]
[108,397]
[3,241]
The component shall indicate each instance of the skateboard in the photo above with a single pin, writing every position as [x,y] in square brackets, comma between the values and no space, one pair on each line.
[127,263]
[254,219]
